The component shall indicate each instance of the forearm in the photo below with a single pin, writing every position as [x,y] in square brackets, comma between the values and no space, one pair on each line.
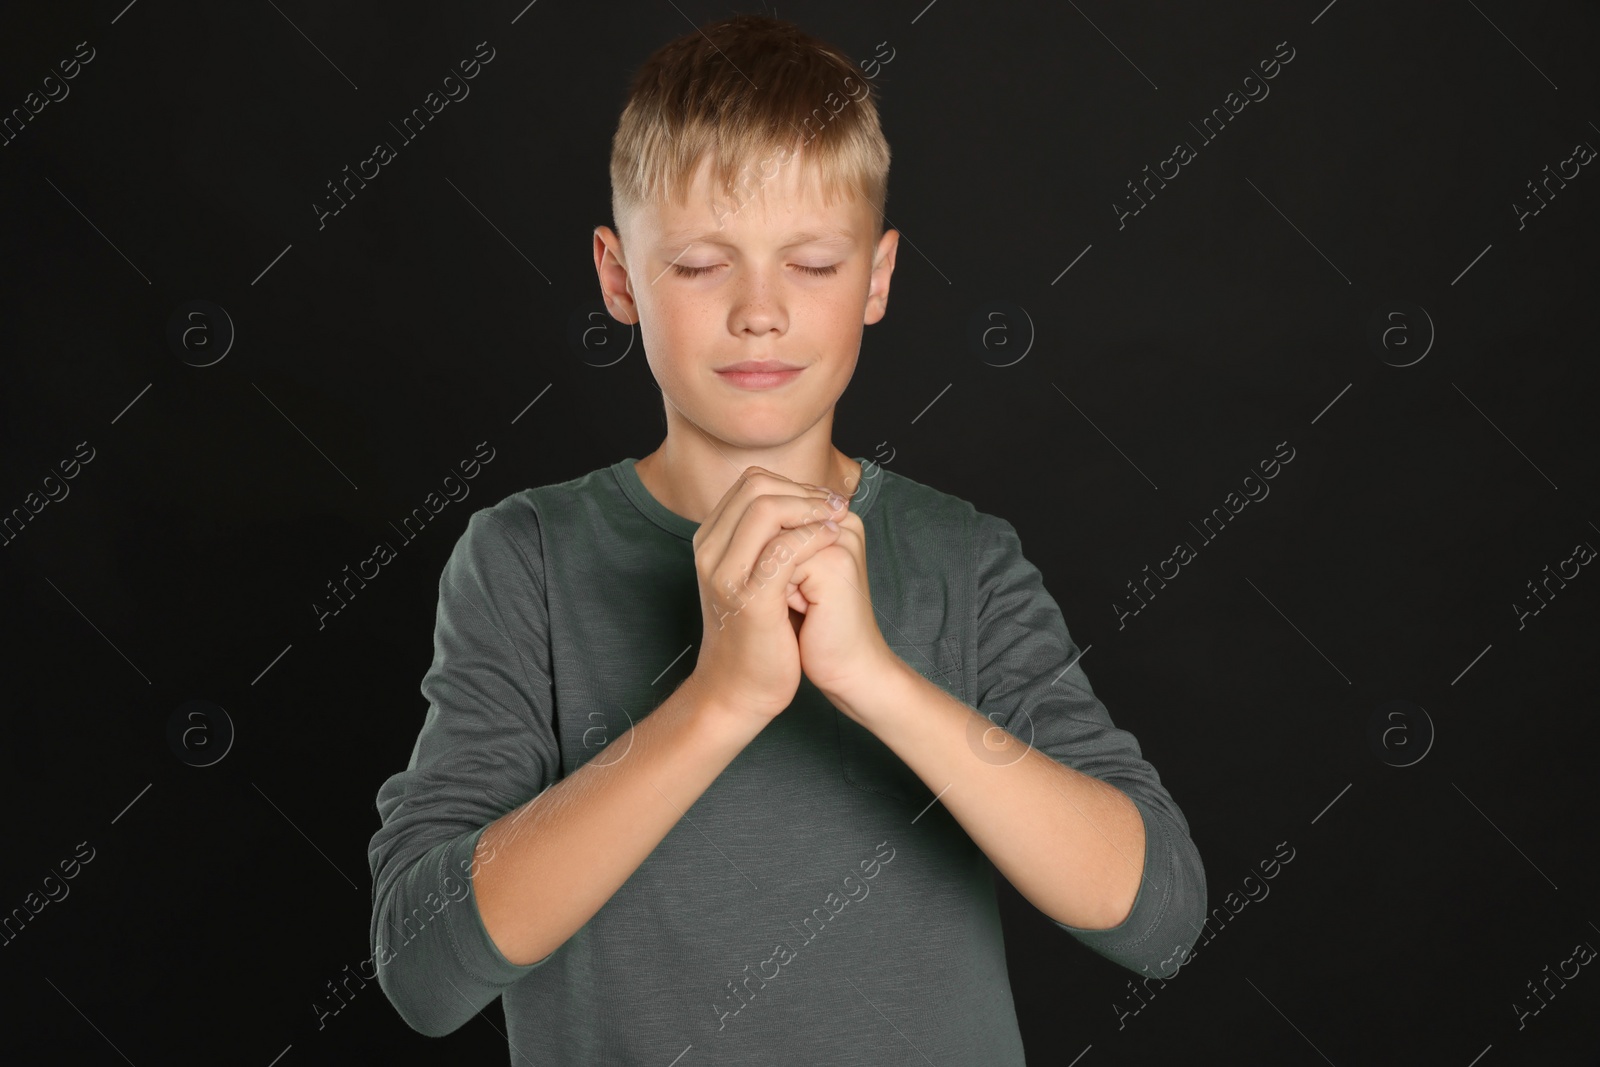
[1070,843]
[545,868]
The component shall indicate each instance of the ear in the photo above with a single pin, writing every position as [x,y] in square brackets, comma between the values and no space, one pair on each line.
[882,268]
[616,288]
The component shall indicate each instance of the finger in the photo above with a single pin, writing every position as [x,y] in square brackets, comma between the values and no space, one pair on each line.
[772,575]
[752,482]
[774,523]
[753,516]
[852,533]
[847,565]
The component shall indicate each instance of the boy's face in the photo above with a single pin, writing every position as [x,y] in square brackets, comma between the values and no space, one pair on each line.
[727,277]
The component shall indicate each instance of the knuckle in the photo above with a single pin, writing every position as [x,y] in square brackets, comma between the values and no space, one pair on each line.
[768,506]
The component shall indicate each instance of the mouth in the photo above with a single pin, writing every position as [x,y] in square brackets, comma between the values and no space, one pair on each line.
[762,374]
[758,366]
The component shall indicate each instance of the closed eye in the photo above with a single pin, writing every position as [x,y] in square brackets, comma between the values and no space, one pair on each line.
[695,272]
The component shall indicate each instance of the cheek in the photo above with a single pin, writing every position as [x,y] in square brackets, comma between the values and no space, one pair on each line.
[844,325]
[679,321]
[680,338]
[667,331]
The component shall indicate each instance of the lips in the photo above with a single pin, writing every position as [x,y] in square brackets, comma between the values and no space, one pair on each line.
[761,378]
[757,366]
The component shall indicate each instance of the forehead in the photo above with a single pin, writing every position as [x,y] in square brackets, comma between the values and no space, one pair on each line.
[772,202]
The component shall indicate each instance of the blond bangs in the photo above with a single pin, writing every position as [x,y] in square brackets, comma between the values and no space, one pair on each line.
[748,92]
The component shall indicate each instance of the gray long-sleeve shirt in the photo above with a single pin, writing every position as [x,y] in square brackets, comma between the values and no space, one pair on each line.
[796,911]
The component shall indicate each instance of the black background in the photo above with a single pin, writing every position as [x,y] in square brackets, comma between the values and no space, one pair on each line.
[1234,312]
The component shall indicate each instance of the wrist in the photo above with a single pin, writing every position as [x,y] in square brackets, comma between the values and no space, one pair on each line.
[876,690]
[716,717]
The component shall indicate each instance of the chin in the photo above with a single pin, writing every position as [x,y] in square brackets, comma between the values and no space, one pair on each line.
[756,433]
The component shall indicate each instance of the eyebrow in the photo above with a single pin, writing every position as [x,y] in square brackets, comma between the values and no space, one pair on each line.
[715,237]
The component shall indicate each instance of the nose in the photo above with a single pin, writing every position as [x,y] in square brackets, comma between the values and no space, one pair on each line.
[758,305]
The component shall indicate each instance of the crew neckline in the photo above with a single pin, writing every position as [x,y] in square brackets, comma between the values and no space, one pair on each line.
[634,488]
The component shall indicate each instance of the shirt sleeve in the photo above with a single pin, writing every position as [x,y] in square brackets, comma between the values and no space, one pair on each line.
[486,746]
[1030,683]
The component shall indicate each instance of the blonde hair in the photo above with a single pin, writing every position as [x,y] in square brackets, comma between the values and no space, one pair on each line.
[744,88]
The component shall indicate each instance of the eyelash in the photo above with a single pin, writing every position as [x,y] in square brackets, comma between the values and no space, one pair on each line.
[695,272]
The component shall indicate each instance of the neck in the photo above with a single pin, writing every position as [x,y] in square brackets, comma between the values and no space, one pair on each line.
[691,472]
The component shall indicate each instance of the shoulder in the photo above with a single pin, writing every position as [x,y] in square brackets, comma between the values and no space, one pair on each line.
[520,522]
[944,532]
[910,502]
[916,508]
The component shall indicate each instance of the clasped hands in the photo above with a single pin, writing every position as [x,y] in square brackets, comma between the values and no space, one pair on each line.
[765,556]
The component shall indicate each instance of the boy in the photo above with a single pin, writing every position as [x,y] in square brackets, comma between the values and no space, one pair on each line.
[717,760]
